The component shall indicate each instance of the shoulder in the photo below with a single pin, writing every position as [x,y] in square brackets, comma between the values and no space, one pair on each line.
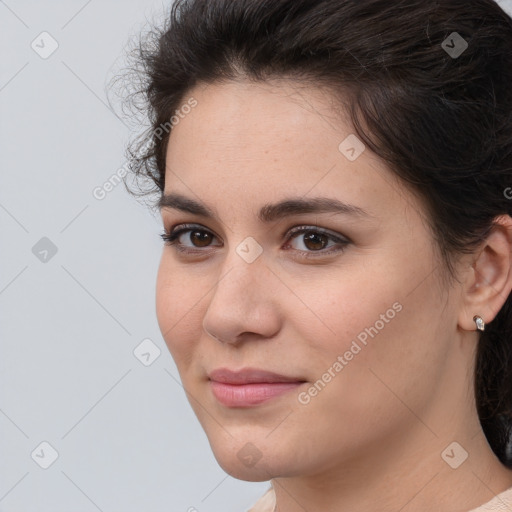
[502,502]
[266,503]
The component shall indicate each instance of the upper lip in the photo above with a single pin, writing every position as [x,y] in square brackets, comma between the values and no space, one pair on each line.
[249,376]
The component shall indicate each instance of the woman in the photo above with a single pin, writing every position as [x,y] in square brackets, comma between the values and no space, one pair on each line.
[334,179]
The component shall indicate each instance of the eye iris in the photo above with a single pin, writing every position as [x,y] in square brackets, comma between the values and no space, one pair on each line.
[318,240]
[203,237]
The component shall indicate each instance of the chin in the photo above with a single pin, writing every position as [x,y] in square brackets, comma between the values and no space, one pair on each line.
[251,458]
[242,446]
[248,474]
[255,470]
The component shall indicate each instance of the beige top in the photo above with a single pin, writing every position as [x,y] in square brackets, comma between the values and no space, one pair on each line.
[500,503]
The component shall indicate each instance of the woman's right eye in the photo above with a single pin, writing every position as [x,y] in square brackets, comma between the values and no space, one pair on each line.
[196,236]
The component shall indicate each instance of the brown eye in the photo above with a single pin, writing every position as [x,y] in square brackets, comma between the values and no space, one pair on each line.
[315,241]
[306,241]
[188,237]
[201,238]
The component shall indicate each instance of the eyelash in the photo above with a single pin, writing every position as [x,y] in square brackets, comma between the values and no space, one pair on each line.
[171,239]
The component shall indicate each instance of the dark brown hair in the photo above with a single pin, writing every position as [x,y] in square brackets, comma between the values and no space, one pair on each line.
[441,120]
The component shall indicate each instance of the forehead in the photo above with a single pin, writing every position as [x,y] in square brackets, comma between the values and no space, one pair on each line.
[261,141]
[243,124]
[238,111]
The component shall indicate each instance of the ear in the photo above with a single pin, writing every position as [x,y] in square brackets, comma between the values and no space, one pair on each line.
[488,282]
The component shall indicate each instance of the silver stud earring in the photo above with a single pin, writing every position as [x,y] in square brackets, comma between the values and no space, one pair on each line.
[480,324]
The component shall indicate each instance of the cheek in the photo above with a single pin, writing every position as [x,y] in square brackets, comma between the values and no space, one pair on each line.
[177,311]
[379,317]
[384,347]
[345,306]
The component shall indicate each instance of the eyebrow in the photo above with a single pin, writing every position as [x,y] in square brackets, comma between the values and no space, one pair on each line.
[268,212]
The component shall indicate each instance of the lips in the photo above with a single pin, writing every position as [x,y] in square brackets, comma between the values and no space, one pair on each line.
[249,376]
[249,387]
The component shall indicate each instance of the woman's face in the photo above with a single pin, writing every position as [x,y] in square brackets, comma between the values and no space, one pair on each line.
[348,310]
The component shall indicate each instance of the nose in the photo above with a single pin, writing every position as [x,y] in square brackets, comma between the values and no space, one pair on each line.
[244,303]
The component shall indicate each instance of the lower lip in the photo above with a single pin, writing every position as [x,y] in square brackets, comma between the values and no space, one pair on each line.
[247,395]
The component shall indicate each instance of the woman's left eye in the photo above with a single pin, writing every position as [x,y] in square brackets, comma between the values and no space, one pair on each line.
[305,240]
[316,240]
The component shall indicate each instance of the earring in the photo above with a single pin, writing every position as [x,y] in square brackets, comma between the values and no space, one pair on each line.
[480,324]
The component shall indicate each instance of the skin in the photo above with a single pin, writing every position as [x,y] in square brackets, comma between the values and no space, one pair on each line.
[372,438]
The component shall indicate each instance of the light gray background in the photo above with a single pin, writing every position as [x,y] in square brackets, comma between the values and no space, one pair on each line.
[126,437]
